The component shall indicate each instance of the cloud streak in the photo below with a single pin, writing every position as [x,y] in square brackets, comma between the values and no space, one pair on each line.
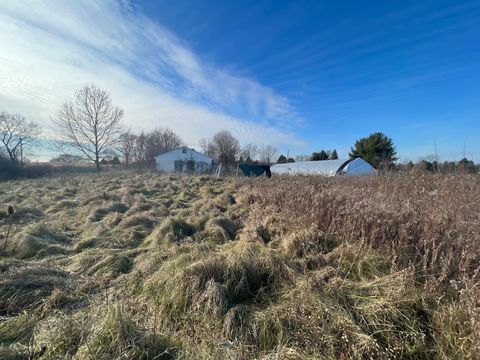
[49,49]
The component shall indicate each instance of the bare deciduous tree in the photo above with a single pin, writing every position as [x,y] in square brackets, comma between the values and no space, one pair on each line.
[250,151]
[89,124]
[139,151]
[226,147]
[206,145]
[302,157]
[126,146]
[158,142]
[170,140]
[268,154]
[16,134]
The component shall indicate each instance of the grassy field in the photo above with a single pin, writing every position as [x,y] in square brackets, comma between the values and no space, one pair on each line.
[158,267]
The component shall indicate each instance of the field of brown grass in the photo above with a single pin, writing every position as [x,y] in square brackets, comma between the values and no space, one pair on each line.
[163,267]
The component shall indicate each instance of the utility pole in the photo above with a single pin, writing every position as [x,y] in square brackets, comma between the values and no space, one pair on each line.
[436,156]
[463,150]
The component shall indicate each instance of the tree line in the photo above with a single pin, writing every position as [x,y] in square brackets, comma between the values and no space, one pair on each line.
[324,155]
[89,127]
[447,167]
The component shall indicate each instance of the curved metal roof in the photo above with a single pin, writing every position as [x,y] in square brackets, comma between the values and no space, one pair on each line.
[356,166]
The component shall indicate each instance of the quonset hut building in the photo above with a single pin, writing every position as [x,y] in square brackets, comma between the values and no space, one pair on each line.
[356,166]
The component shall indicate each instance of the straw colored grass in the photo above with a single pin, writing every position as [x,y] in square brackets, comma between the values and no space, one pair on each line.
[144,266]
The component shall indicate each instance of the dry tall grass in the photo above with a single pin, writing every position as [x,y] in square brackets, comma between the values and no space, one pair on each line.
[151,267]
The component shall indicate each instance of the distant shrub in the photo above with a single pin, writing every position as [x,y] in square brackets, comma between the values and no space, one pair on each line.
[10,170]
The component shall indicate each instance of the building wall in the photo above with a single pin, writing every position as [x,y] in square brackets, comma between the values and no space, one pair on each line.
[359,166]
[169,166]
[165,165]
[166,162]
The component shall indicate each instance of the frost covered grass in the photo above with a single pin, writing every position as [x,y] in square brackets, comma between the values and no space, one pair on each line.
[164,267]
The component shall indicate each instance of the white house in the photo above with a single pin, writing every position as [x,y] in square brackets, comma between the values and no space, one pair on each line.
[356,166]
[184,159]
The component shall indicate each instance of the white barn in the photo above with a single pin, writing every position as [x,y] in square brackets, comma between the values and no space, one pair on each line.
[184,159]
[356,166]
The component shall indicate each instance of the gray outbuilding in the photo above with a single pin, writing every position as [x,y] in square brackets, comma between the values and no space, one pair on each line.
[184,159]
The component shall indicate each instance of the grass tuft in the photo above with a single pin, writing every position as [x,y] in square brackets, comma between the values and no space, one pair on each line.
[116,335]
[171,230]
[147,266]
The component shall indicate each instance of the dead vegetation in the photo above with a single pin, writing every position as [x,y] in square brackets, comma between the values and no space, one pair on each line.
[165,267]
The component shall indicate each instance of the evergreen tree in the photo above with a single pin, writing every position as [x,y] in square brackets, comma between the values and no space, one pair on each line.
[281,159]
[423,167]
[323,155]
[377,149]
[334,155]
[315,156]
[467,166]
[115,161]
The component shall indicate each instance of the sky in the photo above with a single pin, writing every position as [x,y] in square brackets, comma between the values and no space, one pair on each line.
[302,75]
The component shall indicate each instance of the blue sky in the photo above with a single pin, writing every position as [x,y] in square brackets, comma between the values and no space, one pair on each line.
[302,75]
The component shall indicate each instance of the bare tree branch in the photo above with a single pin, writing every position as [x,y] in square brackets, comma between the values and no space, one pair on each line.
[126,146]
[17,134]
[268,154]
[89,124]
[224,147]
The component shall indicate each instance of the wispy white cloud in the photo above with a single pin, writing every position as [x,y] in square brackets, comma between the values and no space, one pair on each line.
[50,48]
